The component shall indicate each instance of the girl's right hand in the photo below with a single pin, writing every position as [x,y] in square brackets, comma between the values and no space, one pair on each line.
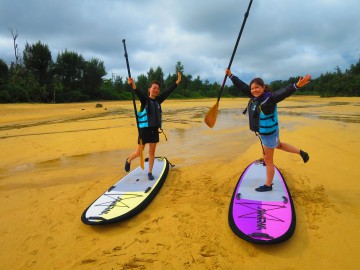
[132,83]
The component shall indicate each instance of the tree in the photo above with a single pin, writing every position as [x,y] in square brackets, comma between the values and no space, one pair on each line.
[121,89]
[4,74]
[157,75]
[179,67]
[38,62]
[20,84]
[4,77]
[69,68]
[37,59]
[94,70]
[355,69]
[142,83]
[15,35]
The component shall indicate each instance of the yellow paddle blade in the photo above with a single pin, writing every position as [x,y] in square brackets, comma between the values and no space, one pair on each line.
[210,117]
[141,155]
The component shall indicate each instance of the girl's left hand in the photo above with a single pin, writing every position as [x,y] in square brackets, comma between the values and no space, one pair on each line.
[179,78]
[303,81]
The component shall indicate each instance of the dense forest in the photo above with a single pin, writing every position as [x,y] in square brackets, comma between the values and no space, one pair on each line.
[35,77]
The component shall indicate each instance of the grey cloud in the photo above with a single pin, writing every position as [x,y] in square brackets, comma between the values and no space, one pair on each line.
[281,39]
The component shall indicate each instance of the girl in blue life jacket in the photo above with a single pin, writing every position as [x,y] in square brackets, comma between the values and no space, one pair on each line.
[150,118]
[263,119]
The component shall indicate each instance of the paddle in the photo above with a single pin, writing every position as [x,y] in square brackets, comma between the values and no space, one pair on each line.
[210,117]
[135,110]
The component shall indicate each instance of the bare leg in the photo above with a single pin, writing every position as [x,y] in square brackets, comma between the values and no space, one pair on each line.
[135,154]
[292,149]
[288,148]
[152,148]
[269,161]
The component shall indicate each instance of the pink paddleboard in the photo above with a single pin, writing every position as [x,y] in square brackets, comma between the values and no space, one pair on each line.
[261,217]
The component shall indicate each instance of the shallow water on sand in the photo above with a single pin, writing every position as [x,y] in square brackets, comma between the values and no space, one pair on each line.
[189,139]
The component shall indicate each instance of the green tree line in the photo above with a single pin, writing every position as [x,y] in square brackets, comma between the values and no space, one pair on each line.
[330,84]
[71,78]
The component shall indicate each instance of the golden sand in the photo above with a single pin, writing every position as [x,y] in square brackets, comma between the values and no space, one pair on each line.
[58,158]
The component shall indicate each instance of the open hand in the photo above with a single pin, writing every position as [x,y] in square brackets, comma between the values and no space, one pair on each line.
[303,81]
[179,78]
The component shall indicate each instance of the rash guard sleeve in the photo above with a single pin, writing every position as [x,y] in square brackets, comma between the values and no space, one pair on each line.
[283,93]
[166,93]
[241,85]
[142,97]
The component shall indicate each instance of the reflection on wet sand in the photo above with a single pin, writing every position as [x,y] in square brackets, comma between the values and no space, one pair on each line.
[333,111]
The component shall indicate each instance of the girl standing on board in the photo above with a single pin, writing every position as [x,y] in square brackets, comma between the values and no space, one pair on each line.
[263,119]
[150,118]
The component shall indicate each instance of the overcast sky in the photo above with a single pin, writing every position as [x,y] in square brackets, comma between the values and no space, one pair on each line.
[282,38]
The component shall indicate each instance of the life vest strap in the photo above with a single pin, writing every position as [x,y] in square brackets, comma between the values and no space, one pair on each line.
[162,131]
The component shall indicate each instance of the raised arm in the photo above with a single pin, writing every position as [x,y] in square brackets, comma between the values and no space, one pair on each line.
[168,91]
[287,91]
[140,95]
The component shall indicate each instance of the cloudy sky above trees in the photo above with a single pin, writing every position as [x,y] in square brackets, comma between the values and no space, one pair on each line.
[282,38]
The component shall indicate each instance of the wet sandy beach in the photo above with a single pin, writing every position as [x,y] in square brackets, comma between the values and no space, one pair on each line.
[58,158]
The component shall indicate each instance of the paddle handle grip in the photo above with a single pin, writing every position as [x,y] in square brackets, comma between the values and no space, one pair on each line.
[126,57]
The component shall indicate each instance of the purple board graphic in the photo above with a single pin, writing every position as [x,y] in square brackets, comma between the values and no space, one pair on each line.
[261,217]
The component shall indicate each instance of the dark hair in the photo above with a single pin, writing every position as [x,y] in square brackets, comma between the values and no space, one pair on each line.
[260,82]
[154,82]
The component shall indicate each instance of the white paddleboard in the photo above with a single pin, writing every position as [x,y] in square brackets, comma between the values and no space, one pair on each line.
[128,196]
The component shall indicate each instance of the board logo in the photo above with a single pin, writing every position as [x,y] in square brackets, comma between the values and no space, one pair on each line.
[111,206]
[261,219]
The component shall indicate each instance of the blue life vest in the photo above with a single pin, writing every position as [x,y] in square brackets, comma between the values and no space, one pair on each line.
[264,124]
[151,115]
[268,123]
[143,119]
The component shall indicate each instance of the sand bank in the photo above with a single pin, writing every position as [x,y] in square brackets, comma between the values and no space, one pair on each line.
[58,158]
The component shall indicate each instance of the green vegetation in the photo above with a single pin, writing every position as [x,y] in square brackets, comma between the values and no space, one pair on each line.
[72,79]
[338,83]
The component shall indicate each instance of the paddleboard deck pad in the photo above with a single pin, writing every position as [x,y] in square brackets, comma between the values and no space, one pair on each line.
[129,196]
[261,217]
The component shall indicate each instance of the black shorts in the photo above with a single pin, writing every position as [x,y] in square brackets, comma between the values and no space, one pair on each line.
[149,135]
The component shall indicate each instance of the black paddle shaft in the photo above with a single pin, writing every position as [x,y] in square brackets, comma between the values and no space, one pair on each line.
[235,48]
[132,91]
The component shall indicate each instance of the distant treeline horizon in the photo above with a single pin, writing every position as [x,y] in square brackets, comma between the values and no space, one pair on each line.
[35,77]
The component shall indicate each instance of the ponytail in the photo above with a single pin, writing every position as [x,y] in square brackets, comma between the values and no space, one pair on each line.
[267,88]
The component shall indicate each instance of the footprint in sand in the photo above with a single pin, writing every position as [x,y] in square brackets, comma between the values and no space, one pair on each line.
[50,243]
[206,252]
